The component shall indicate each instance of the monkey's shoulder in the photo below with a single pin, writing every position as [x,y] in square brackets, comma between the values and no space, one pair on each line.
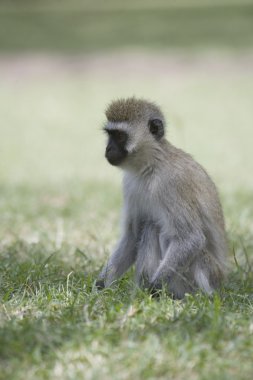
[191,186]
[185,173]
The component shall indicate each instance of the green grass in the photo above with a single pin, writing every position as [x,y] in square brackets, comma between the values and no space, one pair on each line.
[54,325]
[88,26]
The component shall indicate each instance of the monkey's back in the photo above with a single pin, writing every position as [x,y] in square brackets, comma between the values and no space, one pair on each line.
[196,192]
[192,183]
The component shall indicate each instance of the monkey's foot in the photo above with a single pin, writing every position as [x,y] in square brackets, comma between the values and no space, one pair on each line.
[155,290]
[100,284]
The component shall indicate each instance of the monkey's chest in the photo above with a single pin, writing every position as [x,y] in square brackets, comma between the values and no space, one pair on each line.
[144,207]
[143,203]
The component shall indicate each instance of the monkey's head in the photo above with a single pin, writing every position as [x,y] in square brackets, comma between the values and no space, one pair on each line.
[135,127]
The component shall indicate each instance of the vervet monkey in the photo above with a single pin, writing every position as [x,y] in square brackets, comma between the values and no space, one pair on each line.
[173,226]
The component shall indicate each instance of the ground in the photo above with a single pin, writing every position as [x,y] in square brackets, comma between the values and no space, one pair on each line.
[60,204]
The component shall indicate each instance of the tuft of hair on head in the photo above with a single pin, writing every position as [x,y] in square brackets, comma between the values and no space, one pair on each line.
[131,109]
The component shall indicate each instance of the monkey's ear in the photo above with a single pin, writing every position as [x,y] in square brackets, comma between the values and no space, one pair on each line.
[156,128]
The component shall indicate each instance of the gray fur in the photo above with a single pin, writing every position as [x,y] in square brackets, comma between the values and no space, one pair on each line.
[173,222]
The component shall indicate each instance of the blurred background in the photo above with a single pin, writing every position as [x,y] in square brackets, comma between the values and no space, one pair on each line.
[62,62]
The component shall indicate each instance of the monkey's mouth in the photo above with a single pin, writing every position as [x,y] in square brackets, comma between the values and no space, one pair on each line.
[114,158]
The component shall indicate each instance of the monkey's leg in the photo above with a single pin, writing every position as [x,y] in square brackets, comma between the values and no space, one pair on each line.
[207,272]
[148,255]
[119,262]
[174,267]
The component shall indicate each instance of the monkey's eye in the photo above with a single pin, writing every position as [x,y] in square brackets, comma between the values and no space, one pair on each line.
[156,127]
[120,136]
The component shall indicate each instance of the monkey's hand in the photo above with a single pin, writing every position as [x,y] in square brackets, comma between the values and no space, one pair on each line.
[161,278]
[100,284]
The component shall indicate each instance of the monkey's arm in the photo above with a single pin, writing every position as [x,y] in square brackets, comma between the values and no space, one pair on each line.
[180,253]
[121,259]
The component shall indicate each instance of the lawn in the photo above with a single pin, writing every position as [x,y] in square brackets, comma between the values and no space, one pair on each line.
[60,208]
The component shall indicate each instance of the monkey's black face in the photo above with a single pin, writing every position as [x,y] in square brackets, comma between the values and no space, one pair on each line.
[116,148]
